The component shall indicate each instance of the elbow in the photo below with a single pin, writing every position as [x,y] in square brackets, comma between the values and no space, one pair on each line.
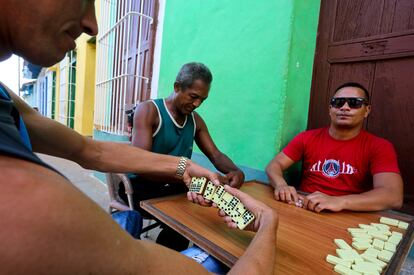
[271,168]
[397,203]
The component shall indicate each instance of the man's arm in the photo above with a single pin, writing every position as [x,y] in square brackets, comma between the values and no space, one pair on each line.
[274,171]
[387,193]
[52,138]
[222,162]
[48,226]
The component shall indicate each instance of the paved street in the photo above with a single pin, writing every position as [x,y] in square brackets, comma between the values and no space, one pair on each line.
[81,178]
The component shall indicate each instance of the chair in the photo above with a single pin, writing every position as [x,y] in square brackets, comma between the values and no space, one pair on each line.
[116,203]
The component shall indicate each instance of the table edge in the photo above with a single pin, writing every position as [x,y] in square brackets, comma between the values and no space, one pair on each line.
[211,248]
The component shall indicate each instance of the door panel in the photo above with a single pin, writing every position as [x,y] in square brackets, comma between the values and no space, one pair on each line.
[392,113]
[357,18]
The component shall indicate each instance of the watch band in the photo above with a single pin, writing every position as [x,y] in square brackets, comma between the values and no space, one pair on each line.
[182,165]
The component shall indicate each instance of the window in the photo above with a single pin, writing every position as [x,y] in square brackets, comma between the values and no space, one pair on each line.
[67,86]
[51,94]
[124,60]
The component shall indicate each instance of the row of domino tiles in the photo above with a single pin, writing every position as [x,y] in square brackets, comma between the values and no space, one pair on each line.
[376,240]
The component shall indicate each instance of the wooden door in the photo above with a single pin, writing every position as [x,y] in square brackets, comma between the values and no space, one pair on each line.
[140,54]
[133,58]
[370,42]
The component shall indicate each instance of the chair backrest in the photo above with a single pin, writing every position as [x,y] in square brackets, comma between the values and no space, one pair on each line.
[116,203]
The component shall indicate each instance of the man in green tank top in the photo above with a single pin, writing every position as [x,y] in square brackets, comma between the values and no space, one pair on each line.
[170,126]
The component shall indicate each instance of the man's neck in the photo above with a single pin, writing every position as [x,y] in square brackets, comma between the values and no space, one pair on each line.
[178,116]
[341,133]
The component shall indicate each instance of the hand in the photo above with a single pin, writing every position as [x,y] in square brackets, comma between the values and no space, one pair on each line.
[318,201]
[286,193]
[194,170]
[263,213]
[235,178]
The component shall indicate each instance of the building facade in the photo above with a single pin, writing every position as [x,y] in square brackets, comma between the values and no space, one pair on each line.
[261,56]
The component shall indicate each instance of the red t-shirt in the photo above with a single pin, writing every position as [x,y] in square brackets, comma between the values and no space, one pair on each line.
[340,167]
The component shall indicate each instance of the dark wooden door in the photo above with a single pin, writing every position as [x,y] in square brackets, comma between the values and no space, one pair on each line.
[370,42]
[140,54]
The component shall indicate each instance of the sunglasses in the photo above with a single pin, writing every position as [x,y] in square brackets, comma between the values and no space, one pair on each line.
[353,102]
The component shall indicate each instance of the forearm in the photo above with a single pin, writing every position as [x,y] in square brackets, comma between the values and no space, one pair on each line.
[223,163]
[373,200]
[260,256]
[123,158]
[275,175]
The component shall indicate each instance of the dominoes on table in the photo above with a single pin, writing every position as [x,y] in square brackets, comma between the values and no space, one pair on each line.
[379,242]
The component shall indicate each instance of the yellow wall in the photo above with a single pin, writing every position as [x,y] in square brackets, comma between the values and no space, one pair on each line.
[85,85]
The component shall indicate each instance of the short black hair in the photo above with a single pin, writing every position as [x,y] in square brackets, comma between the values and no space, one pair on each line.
[192,71]
[355,85]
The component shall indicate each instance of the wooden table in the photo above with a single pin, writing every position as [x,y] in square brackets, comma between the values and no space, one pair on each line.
[304,237]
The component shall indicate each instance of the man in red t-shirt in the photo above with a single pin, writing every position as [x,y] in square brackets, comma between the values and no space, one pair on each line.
[343,166]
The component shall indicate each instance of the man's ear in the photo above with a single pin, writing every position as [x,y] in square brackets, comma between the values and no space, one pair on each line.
[367,111]
[177,87]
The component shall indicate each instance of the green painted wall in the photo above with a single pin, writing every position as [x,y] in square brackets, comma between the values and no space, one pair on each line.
[251,48]
[302,50]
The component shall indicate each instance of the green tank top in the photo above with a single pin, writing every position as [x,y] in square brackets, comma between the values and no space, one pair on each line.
[170,138]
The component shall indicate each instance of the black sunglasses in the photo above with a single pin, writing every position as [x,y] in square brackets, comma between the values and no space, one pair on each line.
[353,102]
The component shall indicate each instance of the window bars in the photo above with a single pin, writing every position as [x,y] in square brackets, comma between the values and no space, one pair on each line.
[67,89]
[121,26]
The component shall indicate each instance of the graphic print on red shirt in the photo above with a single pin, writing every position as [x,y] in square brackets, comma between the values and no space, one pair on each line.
[340,167]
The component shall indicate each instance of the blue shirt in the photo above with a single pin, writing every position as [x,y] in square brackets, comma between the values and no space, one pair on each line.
[14,138]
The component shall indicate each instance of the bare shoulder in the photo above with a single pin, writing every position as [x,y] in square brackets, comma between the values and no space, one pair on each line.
[52,227]
[199,121]
[146,112]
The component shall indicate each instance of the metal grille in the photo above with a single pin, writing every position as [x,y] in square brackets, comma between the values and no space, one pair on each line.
[51,84]
[116,71]
[67,89]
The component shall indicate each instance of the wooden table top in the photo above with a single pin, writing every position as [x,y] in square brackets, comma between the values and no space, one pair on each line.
[304,238]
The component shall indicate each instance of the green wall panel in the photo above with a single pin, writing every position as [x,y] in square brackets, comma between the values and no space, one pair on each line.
[248,47]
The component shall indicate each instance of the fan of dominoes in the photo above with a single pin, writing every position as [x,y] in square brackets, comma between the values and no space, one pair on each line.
[231,205]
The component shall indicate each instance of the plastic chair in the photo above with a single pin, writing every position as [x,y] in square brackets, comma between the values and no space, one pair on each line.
[116,203]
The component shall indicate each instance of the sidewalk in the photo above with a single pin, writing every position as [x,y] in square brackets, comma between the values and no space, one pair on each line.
[91,186]
[83,179]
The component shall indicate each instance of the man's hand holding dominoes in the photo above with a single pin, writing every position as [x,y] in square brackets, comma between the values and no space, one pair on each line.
[263,214]
[197,186]
[231,203]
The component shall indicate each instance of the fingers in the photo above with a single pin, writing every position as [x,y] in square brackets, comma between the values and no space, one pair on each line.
[223,179]
[196,198]
[319,207]
[277,197]
[214,178]
[312,201]
[293,194]
[286,194]
[282,195]
[190,197]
